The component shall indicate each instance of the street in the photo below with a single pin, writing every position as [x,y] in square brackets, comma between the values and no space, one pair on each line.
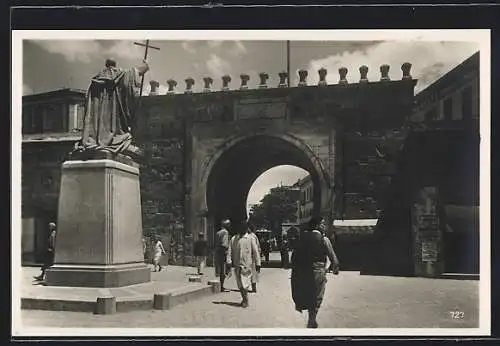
[351,301]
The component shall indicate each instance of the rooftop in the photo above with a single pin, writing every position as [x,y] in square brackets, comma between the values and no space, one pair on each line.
[65,92]
[453,76]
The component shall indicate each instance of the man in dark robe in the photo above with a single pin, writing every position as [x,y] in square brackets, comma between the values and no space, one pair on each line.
[111,101]
[309,269]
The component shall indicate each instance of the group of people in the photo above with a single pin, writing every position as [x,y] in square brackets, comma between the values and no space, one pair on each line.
[241,252]
[311,251]
[200,250]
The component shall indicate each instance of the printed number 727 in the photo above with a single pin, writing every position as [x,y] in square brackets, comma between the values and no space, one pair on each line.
[457,315]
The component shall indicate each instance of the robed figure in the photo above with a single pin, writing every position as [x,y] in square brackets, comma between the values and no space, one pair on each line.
[111,100]
[309,259]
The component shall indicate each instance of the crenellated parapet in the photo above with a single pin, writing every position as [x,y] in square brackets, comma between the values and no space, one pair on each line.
[263,78]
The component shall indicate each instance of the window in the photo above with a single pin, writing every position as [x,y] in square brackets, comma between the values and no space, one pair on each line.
[27,125]
[37,124]
[79,116]
[431,114]
[52,118]
[467,103]
[448,109]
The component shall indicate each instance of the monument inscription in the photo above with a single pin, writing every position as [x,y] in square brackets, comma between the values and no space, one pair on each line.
[272,108]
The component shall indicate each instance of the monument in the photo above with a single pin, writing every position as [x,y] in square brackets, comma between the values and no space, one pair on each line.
[99,241]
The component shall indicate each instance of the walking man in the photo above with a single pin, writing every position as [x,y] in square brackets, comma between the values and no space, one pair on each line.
[309,269]
[243,255]
[221,249]
[255,274]
[50,252]
[200,251]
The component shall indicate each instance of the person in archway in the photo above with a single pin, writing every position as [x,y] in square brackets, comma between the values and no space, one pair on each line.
[255,274]
[50,252]
[309,269]
[221,249]
[266,248]
[243,255]
[285,259]
[332,236]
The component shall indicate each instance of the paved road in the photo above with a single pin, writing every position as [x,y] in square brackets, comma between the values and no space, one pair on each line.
[351,301]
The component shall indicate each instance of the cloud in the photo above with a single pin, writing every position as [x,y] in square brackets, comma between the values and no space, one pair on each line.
[214,44]
[87,51]
[238,49]
[430,60]
[126,50]
[27,90]
[73,51]
[217,66]
[188,46]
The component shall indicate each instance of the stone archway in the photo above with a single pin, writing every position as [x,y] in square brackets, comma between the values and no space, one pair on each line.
[238,162]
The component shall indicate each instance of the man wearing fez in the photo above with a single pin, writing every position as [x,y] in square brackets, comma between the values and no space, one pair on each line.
[109,117]
[221,248]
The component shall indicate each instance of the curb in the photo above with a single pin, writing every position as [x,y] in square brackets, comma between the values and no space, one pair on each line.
[175,297]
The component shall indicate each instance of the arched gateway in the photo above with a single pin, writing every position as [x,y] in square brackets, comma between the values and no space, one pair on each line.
[204,151]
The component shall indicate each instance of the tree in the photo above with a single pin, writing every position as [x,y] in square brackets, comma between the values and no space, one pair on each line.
[275,208]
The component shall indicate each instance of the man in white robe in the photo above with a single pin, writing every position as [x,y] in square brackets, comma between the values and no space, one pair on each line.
[242,255]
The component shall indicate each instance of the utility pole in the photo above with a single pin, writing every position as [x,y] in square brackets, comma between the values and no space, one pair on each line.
[288,61]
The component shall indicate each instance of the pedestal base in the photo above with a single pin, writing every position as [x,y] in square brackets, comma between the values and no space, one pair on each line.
[99,226]
[98,275]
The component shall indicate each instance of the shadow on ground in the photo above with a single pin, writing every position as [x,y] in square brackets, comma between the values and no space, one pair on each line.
[233,304]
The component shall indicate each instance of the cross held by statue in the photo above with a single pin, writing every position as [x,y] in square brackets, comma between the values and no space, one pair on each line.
[147,46]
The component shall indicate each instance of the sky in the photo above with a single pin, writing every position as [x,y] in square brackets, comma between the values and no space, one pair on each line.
[55,64]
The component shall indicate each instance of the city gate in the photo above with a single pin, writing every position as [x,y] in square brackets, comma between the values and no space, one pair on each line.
[204,150]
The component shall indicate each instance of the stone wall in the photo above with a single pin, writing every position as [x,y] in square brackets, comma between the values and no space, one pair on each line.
[161,135]
[369,161]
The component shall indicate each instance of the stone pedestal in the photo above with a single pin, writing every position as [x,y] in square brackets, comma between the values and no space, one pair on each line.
[99,228]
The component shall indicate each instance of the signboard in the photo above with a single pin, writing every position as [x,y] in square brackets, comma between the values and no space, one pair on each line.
[428,222]
[260,108]
[429,251]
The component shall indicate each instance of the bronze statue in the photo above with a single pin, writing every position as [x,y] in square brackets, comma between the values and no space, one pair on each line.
[111,101]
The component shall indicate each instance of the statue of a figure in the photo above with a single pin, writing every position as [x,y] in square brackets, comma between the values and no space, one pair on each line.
[109,117]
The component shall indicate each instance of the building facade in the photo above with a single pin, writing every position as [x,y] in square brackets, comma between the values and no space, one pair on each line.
[306,199]
[453,99]
[435,185]
[51,124]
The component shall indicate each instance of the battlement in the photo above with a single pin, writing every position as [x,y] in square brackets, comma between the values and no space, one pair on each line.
[283,80]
